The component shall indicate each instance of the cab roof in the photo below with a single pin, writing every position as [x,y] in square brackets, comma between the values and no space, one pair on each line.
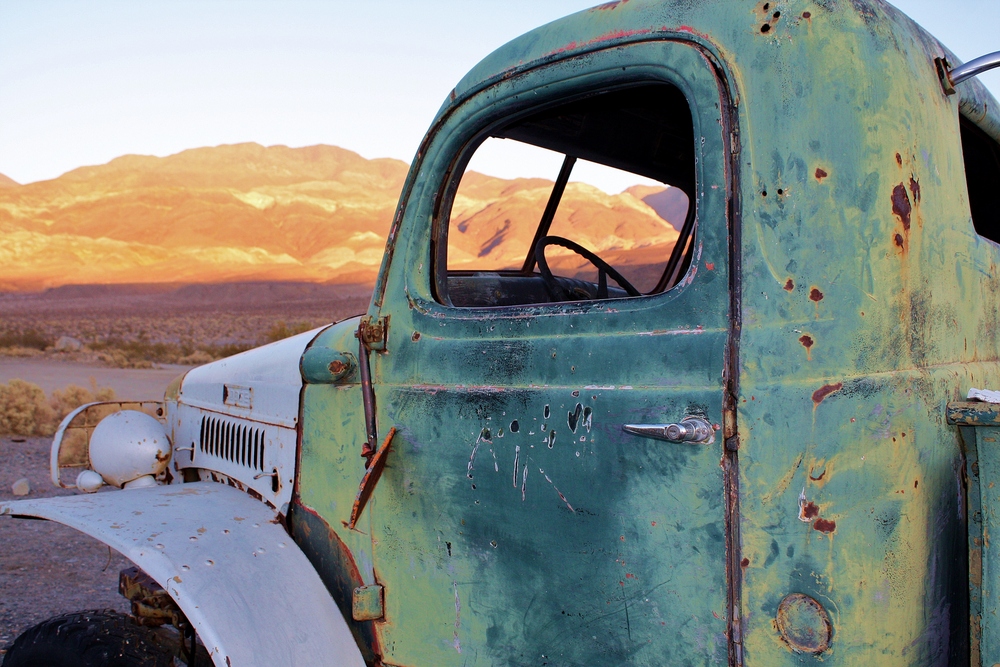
[742,34]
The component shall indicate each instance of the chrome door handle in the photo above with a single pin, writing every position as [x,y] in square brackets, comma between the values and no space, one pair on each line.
[690,429]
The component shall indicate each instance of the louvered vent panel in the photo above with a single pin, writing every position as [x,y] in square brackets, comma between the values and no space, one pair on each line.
[239,443]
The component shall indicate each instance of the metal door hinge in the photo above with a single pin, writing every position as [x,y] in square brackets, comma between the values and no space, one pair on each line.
[368,603]
[373,473]
[374,333]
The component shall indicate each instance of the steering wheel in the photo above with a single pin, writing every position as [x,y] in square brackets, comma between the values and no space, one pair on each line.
[556,291]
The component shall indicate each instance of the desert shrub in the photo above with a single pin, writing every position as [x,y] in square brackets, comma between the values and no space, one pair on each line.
[24,409]
[281,330]
[28,338]
[18,351]
[135,353]
[196,358]
[64,401]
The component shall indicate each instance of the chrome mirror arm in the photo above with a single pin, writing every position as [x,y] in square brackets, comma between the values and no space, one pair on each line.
[974,68]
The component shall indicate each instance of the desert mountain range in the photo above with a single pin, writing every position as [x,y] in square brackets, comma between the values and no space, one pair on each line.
[248,212]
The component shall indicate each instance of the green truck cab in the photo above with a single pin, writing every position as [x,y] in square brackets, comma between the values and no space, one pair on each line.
[722,442]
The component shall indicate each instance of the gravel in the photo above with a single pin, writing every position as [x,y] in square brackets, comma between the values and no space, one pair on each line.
[47,569]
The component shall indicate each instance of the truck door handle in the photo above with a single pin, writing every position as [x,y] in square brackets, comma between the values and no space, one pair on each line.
[690,429]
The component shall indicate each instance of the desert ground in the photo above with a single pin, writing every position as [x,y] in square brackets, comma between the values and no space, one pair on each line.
[142,384]
[45,568]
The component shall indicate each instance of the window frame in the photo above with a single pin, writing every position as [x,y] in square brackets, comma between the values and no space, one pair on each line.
[413,246]
[678,259]
[512,110]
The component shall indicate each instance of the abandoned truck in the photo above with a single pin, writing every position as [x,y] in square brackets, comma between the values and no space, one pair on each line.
[740,438]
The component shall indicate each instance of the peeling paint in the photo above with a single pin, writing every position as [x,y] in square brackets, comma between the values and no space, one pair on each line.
[736,568]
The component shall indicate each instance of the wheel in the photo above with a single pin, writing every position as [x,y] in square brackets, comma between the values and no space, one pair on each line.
[88,639]
[556,291]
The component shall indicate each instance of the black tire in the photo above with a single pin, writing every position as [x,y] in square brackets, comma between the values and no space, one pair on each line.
[102,638]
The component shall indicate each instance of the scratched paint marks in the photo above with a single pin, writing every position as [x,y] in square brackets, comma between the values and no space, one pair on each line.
[521,450]
[517,457]
[561,496]
[783,484]
[458,618]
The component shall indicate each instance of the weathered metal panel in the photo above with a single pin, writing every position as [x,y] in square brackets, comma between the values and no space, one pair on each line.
[262,384]
[329,472]
[514,513]
[868,303]
[224,558]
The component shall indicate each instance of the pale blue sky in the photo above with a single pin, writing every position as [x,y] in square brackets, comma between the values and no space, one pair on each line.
[84,82]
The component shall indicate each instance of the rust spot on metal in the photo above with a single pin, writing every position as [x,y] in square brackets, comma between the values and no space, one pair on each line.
[820,394]
[824,525]
[745,562]
[820,173]
[898,240]
[809,511]
[915,190]
[820,478]
[916,483]
[806,340]
[371,478]
[789,285]
[415,337]
[608,5]
[710,266]
[816,295]
[803,624]
[899,159]
[901,205]
[606,37]
[151,605]
[337,367]
[807,15]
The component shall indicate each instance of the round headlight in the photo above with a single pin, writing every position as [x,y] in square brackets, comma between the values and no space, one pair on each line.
[127,445]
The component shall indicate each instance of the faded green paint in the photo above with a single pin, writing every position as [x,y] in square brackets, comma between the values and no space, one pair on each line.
[867,303]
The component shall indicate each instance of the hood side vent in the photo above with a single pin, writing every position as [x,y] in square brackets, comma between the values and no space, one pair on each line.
[238,443]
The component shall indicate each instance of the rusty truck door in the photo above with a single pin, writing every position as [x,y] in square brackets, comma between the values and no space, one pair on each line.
[517,520]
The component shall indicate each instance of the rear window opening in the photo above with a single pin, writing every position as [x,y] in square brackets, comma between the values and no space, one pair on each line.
[982,174]
[594,202]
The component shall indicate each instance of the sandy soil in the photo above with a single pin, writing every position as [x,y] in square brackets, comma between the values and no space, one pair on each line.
[128,383]
[47,569]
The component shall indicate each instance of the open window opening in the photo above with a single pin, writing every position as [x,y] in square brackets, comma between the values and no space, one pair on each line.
[602,208]
[982,174]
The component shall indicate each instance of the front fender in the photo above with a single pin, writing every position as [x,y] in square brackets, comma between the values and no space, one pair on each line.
[242,582]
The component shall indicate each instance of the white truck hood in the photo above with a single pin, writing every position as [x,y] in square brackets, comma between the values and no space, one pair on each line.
[262,384]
